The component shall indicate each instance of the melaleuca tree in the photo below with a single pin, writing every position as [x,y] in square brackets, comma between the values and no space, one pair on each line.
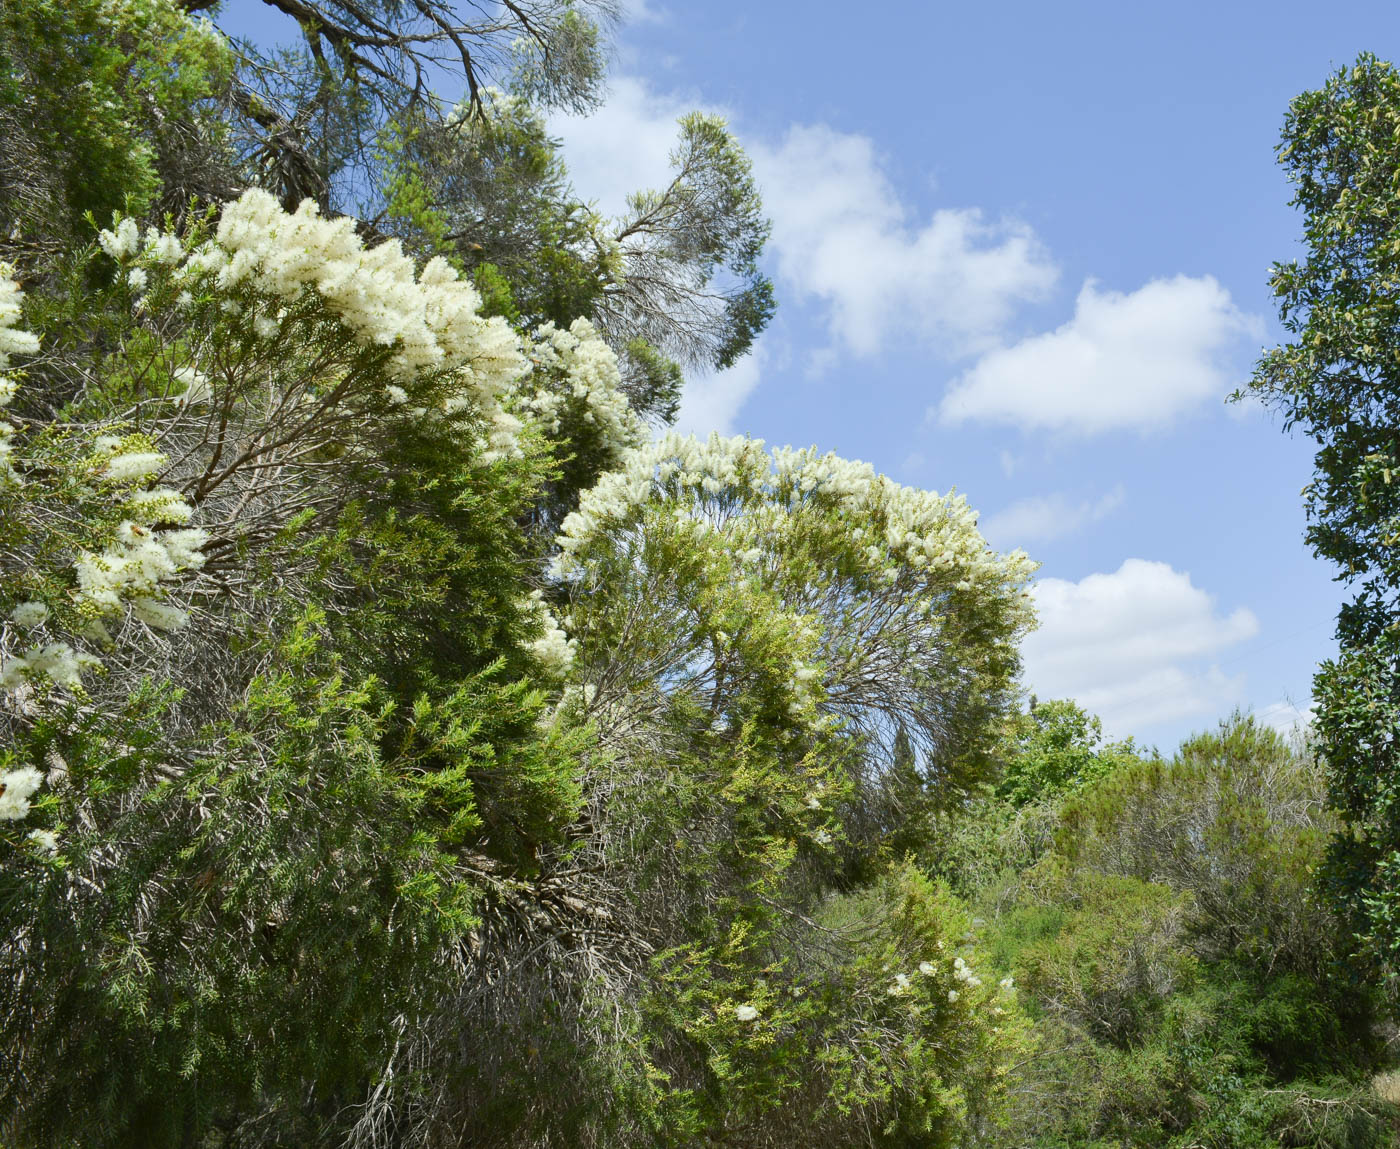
[691,285]
[326,815]
[266,605]
[674,282]
[310,116]
[1336,379]
[104,107]
[752,632]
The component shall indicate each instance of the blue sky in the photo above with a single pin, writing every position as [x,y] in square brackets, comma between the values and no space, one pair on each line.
[1022,250]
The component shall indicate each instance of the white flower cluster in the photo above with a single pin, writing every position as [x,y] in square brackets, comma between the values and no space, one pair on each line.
[131,570]
[134,567]
[902,983]
[555,649]
[133,466]
[430,322]
[934,536]
[746,1013]
[45,841]
[963,972]
[577,369]
[56,661]
[122,242]
[16,788]
[30,614]
[13,341]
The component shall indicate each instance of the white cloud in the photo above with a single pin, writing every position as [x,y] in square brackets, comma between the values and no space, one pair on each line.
[641,12]
[842,236]
[1044,518]
[1134,646]
[1134,360]
[1286,716]
[710,402]
[625,145]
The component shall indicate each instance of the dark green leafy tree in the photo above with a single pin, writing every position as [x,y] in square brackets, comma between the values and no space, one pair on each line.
[1055,748]
[104,110]
[1337,379]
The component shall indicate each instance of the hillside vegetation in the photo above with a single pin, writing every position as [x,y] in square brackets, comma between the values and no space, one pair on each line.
[407,741]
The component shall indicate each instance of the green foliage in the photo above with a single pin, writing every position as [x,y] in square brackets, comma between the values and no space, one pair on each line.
[95,101]
[1118,955]
[801,1046]
[1234,818]
[1336,380]
[276,912]
[363,811]
[1054,749]
[1186,984]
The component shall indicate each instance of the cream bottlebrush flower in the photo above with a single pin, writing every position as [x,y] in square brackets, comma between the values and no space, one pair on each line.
[16,788]
[555,650]
[137,564]
[901,984]
[136,278]
[746,1013]
[13,341]
[30,614]
[159,505]
[133,465]
[926,968]
[185,547]
[56,661]
[952,996]
[46,841]
[159,615]
[59,662]
[822,837]
[123,242]
[195,384]
[14,672]
[164,247]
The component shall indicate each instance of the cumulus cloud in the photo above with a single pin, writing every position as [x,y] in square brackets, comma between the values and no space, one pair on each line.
[1134,646]
[1124,361]
[625,145]
[842,236]
[1287,716]
[1044,518]
[711,402]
